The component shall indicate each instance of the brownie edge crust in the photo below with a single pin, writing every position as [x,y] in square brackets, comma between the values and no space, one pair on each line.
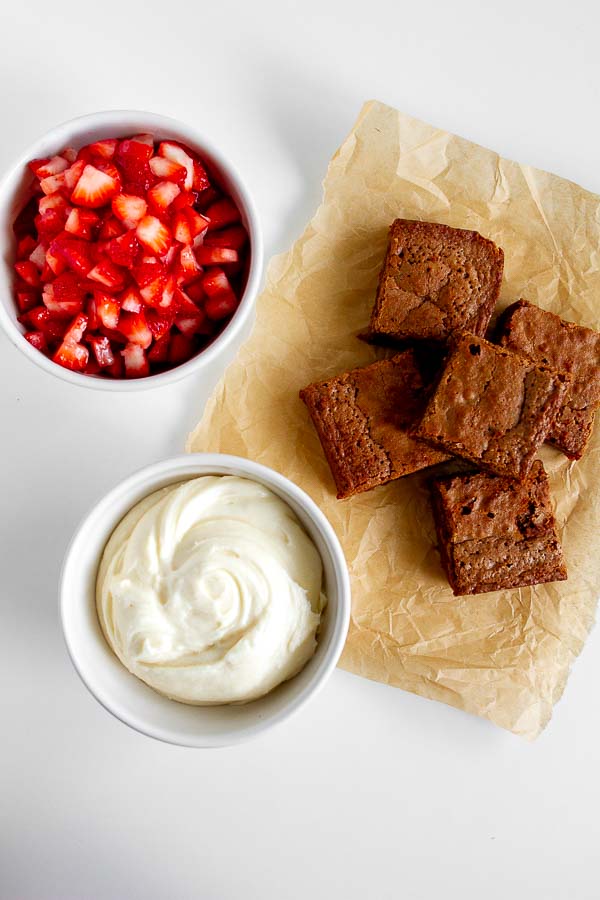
[496,534]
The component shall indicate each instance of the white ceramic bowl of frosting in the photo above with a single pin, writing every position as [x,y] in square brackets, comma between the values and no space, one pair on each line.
[129,698]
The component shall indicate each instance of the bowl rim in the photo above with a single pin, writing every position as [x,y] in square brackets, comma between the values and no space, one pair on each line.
[148,477]
[119,118]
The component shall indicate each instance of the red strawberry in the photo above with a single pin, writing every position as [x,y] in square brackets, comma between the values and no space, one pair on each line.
[166,169]
[221,306]
[198,223]
[25,246]
[28,272]
[49,224]
[91,313]
[102,351]
[136,364]
[25,221]
[75,253]
[95,188]
[60,309]
[67,288]
[124,250]
[181,228]
[103,149]
[159,352]
[153,235]
[116,369]
[70,154]
[195,291]
[110,228]
[129,209]
[53,183]
[201,181]
[181,348]
[130,300]
[107,309]
[38,257]
[72,356]
[191,325]
[184,304]
[81,222]
[74,333]
[215,256]
[234,238]
[189,269]
[43,320]
[207,198]
[223,212]
[132,157]
[106,273]
[146,139]
[183,200]
[135,328]
[175,153]
[216,282]
[159,323]
[163,194]
[27,300]
[92,367]
[148,270]
[73,174]
[37,339]
[43,168]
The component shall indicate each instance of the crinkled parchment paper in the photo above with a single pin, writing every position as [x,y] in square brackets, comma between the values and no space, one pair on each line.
[504,655]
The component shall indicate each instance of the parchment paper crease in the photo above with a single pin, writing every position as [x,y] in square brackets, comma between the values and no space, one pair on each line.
[504,655]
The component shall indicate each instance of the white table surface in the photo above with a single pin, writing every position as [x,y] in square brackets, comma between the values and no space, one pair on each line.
[369,792]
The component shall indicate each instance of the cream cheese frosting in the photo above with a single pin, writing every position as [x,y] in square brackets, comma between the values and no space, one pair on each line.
[210,591]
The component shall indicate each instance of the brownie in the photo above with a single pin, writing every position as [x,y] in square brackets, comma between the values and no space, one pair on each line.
[491,406]
[569,348]
[362,418]
[496,533]
[435,280]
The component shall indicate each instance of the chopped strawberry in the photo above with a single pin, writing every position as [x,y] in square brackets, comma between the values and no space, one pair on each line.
[195,291]
[181,228]
[28,272]
[234,238]
[124,250]
[102,149]
[181,348]
[43,320]
[60,309]
[73,174]
[159,323]
[184,304]
[215,256]
[148,270]
[159,352]
[25,247]
[37,339]
[136,364]
[110,228]
[92,367]
[153,235]
[146,139]
[183,201]
[135,328]
[216,282]
[81,222]
[27,299]
[70,154]
[92,314]
[53,183]
[132,158]
[168,170]
[221,306]
[74,333]
[107,309]
[72,356]
[163,194]
[207,198]
[223,212]
[129,209]
[106,273]
[168,294]
[67,287]
[201,180]
[198,223]
[95,188]
[175,153]
[49,224]
[130,300]
[191,325]
[75,253]
[102,351]
[43,168]
[189,269]
[116,369]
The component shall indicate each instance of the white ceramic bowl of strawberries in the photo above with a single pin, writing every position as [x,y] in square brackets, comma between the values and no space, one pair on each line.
[136,255]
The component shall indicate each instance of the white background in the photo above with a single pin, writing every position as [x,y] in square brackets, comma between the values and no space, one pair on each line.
[369,792]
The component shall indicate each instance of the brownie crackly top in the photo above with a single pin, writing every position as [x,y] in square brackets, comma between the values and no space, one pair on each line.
[569,348]
[362,419]
[496,533]
[435,280]
[491,406]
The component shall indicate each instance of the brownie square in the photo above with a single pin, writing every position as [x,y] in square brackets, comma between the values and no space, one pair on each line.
[491,406]
[569,348]
[362,418]
[496,533]
[435,280]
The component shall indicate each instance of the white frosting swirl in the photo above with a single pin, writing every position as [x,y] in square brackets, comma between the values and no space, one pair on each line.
[210,591]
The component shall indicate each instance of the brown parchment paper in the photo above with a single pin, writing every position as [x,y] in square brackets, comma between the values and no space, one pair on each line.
[503,655]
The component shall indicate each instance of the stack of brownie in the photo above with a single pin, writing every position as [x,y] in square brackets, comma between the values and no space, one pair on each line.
[449,393]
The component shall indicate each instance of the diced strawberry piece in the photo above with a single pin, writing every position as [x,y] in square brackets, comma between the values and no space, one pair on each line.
[168,170]
[207,198]
[102,351]
[67,287]
[28,272]
[74,333]
[146,139]
[129,209]
[91,313]
[111,228]
[184,304]
[153,235]
[152,293]
[106,273]
[37,339]
[44,168]
[92,367]
[181,348]
[53,183]
[135,328]
[114,336]
[25,246]
[159,352]
[70,154]
[201,181]
[53,201]
[181,228]
[103,149]
[148,270]
[195,291]
[60,309]
[191,325]
[73,174]
[176,153]
[234,238]
[136,364]
[27,300]
[25,221]
[116,369]
[74,252]
[168,293]
[107,309]
[221,306]
[223,212]
[124,250]
[189,269]
[130,300]
[81,222]
[163,194]
[198,223]
[215,256]
[159,323]
[183,200]
[49,224]
[95,188]
[55,264]
[216,282]
[132,157]
[41,319]
[72,356]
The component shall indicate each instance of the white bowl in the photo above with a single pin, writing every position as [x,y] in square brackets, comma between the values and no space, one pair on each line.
[76,133]
[128,698]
